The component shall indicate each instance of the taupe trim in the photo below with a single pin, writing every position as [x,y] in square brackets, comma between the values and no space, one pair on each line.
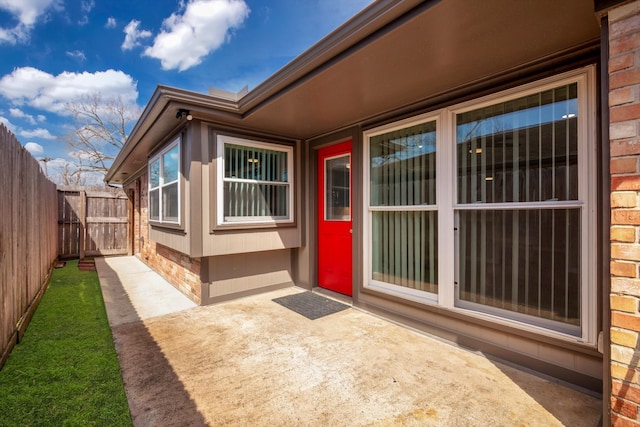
[236,295]
[603,6]
[604,184]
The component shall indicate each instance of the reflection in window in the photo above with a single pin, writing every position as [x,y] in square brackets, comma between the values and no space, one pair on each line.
[164,190]
[255,184]
[402,198]
[522,258]
[338,182]
[523,150]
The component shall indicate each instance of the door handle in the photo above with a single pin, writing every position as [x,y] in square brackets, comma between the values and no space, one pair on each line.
[351,230]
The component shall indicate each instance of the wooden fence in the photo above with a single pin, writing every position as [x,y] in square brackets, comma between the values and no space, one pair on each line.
[92,222]
[28,245]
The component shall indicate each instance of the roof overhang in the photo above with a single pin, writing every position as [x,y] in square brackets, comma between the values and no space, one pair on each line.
[390,56]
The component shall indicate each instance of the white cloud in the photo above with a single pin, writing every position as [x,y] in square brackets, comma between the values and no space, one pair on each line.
[47,92]
[76,54]
[133,35]
[26,12]
[205,25]
[41,118]
[111,22]
[16,112]
[86,6]
[37,133]
[34,148]
[8,124]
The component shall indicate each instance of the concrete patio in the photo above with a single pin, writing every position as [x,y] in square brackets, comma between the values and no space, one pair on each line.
[254,362]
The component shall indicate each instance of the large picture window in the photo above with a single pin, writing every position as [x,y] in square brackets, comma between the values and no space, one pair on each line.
[164,185]
[255,182]
[519,207]
[505,231]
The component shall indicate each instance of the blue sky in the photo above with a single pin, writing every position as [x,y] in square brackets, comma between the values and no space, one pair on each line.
[54,51]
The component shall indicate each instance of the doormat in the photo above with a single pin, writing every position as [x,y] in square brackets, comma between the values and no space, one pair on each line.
[310,305]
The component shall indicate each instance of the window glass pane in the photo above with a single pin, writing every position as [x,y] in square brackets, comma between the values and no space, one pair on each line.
[154,174]
[523,150]
[403,166]
[154,204]
[171,165]
[248,199]
[170,202]
[338,181]
[524,261]
[252,163]
[405,249]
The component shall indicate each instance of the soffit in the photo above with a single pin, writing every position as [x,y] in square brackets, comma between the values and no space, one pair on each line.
[451,44]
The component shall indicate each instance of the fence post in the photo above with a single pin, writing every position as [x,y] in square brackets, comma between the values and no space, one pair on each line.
[83,222]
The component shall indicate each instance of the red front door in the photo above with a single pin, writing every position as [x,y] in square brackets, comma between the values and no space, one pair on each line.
[334,218]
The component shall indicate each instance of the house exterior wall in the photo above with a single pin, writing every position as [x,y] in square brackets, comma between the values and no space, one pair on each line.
[624,133]
[232,276]
[177,268]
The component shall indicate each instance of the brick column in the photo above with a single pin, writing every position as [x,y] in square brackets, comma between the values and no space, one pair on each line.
[624,132]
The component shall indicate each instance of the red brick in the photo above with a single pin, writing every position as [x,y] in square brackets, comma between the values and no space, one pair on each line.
[624,199]
[624,26]
[621,96]
[625,216]
[623,165]
[623,130]
[623,234]
[624,148]
[625,391]
[624,78]
[621,62]
[624,269]
[623,407]
[626,321]
[617,421]
[624,373]
[625,182]
[624,44]
[629,252]
[624,303]
[624,113]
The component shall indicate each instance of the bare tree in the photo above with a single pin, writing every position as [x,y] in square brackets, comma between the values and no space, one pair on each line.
[100,130]
[70,175]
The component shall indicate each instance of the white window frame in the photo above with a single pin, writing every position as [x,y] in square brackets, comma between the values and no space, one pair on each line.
[161,185]
[289,184]
[370,283]
[448,208]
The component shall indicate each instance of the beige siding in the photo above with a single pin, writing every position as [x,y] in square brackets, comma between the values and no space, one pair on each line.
[249,241]
[241,274]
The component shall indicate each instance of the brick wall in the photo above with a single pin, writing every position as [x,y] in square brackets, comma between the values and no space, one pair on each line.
[624,130]
[178,269]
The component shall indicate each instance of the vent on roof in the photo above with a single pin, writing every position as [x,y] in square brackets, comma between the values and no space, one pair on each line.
[231,96]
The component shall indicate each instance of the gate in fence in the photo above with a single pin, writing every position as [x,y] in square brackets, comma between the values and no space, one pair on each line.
[92,222]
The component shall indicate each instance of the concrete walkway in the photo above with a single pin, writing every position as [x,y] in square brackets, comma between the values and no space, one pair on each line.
[254,362]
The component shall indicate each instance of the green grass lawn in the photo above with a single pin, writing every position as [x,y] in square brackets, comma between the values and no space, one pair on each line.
[65,371]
